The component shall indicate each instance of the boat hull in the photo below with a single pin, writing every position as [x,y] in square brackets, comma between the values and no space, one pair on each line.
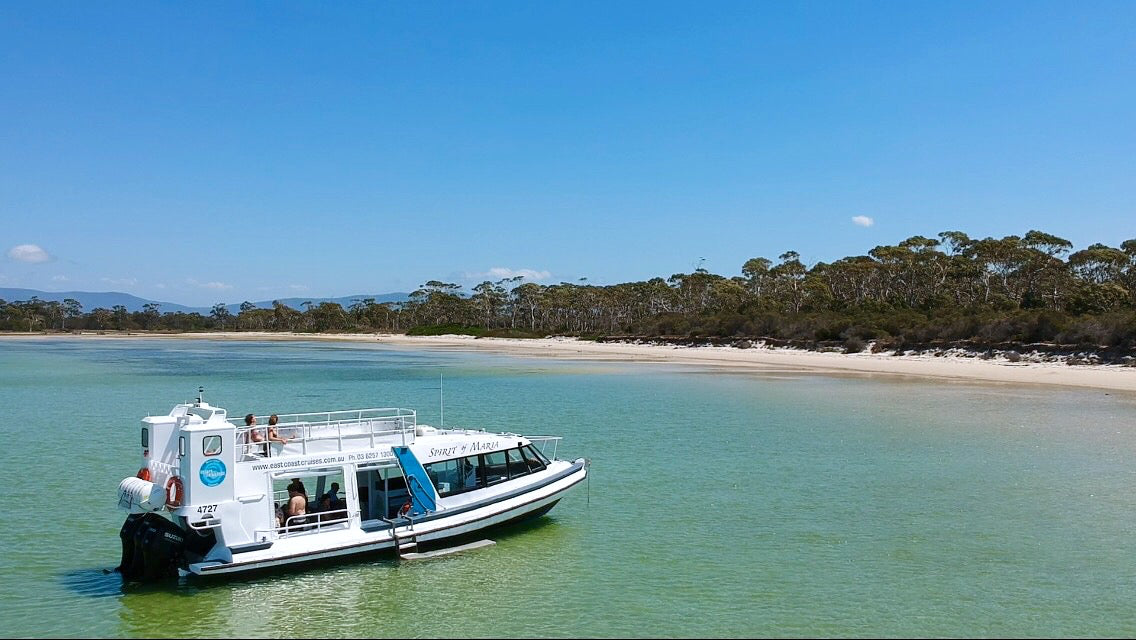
[440,528]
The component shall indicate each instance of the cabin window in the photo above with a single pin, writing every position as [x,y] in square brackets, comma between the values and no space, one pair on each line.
[211,445]
[455,476]
[535,461]
[181,446]
[323,500]
[145,437]
[517,465]
[495,467]
[470,469]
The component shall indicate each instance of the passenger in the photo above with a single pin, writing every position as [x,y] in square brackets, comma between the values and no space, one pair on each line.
[279,515]
[256,437]
[297,507]
[299,486]
[326,511]
[332,496]
[273,435]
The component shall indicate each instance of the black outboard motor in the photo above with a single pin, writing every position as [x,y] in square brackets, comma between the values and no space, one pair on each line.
[152,547]
[126,565]
[163,543]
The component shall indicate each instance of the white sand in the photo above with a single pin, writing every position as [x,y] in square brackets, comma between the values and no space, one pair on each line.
[953,368]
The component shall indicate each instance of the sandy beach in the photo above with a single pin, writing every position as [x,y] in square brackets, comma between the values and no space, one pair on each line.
[957,368]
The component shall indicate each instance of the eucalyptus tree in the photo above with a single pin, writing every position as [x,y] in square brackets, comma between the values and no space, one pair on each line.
[528,297]
[328,316]
[221,314]
[102,318]
[150,315]
[285,318]
[72,308]
[757,276]
[121,317]
[789,281]
[362,312]
[489,298]
[437,302]
[1043,274]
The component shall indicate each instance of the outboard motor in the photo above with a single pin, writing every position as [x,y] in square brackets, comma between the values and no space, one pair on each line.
[126,566]
[152,547]
[163,543]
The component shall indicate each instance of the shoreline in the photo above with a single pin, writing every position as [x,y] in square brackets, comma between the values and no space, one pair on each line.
[950,367]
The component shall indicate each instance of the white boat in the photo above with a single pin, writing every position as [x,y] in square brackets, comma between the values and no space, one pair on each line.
[212,494]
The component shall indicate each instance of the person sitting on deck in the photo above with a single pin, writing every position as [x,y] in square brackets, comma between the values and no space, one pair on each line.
[256,437]
[332,496]
[273,434]
[295,511]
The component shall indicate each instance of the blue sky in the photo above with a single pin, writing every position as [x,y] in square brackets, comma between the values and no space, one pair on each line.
[218,152]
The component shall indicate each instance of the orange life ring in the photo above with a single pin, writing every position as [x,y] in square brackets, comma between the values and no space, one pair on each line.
[405,509]
[144,473]
[174,496]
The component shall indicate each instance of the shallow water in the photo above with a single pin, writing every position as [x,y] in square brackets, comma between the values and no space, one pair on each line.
[720,504]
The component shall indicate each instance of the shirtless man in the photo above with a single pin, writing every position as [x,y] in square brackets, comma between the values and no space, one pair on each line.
[297,506]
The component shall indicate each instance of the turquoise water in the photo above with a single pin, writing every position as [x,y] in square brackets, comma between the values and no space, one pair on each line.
[720,504]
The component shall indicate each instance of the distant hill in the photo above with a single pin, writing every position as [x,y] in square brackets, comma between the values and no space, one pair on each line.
[91,300]
[109,299]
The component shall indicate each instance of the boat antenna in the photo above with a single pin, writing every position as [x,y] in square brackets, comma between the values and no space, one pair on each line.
[441,402]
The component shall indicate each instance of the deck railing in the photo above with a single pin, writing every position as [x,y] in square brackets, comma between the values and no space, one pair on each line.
[360,426]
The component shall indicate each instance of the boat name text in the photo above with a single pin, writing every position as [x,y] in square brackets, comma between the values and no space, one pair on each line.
[458,449]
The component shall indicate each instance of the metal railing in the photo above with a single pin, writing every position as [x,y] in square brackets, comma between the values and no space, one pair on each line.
[315,522]
[542,443]
[359,427]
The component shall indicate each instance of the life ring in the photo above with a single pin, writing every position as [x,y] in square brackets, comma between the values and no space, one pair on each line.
[405,509]
[144,473]
[175,491]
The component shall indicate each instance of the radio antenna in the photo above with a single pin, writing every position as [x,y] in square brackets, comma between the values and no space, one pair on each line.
[441,402]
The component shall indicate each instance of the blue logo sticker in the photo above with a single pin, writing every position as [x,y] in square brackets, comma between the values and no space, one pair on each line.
[212,472]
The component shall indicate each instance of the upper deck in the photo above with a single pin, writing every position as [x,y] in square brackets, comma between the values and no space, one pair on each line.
[327,432]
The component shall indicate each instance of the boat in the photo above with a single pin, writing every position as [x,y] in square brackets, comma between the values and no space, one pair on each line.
[216,495]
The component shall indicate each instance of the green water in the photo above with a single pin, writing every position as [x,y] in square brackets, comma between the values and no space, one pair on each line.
[720,505]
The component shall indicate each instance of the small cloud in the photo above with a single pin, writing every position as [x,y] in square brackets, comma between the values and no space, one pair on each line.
[299,288]
[60,279]
[863,221]
[119,282]
[501,273]
[29,253]
[216,286]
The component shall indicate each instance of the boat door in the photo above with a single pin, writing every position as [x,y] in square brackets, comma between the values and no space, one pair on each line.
[422,493]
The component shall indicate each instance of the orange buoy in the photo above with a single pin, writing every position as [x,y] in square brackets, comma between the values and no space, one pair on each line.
[175,491]
[144,473]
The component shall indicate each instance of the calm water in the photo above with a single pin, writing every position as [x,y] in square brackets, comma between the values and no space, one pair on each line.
[720,505]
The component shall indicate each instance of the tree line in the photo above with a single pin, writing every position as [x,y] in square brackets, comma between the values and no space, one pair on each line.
[1029,289]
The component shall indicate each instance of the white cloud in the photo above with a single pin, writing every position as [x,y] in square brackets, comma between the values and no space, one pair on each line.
[28,253]
[501,273]
[60,279]
[129,282]
[215,286]
[299,288]
[863,221]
